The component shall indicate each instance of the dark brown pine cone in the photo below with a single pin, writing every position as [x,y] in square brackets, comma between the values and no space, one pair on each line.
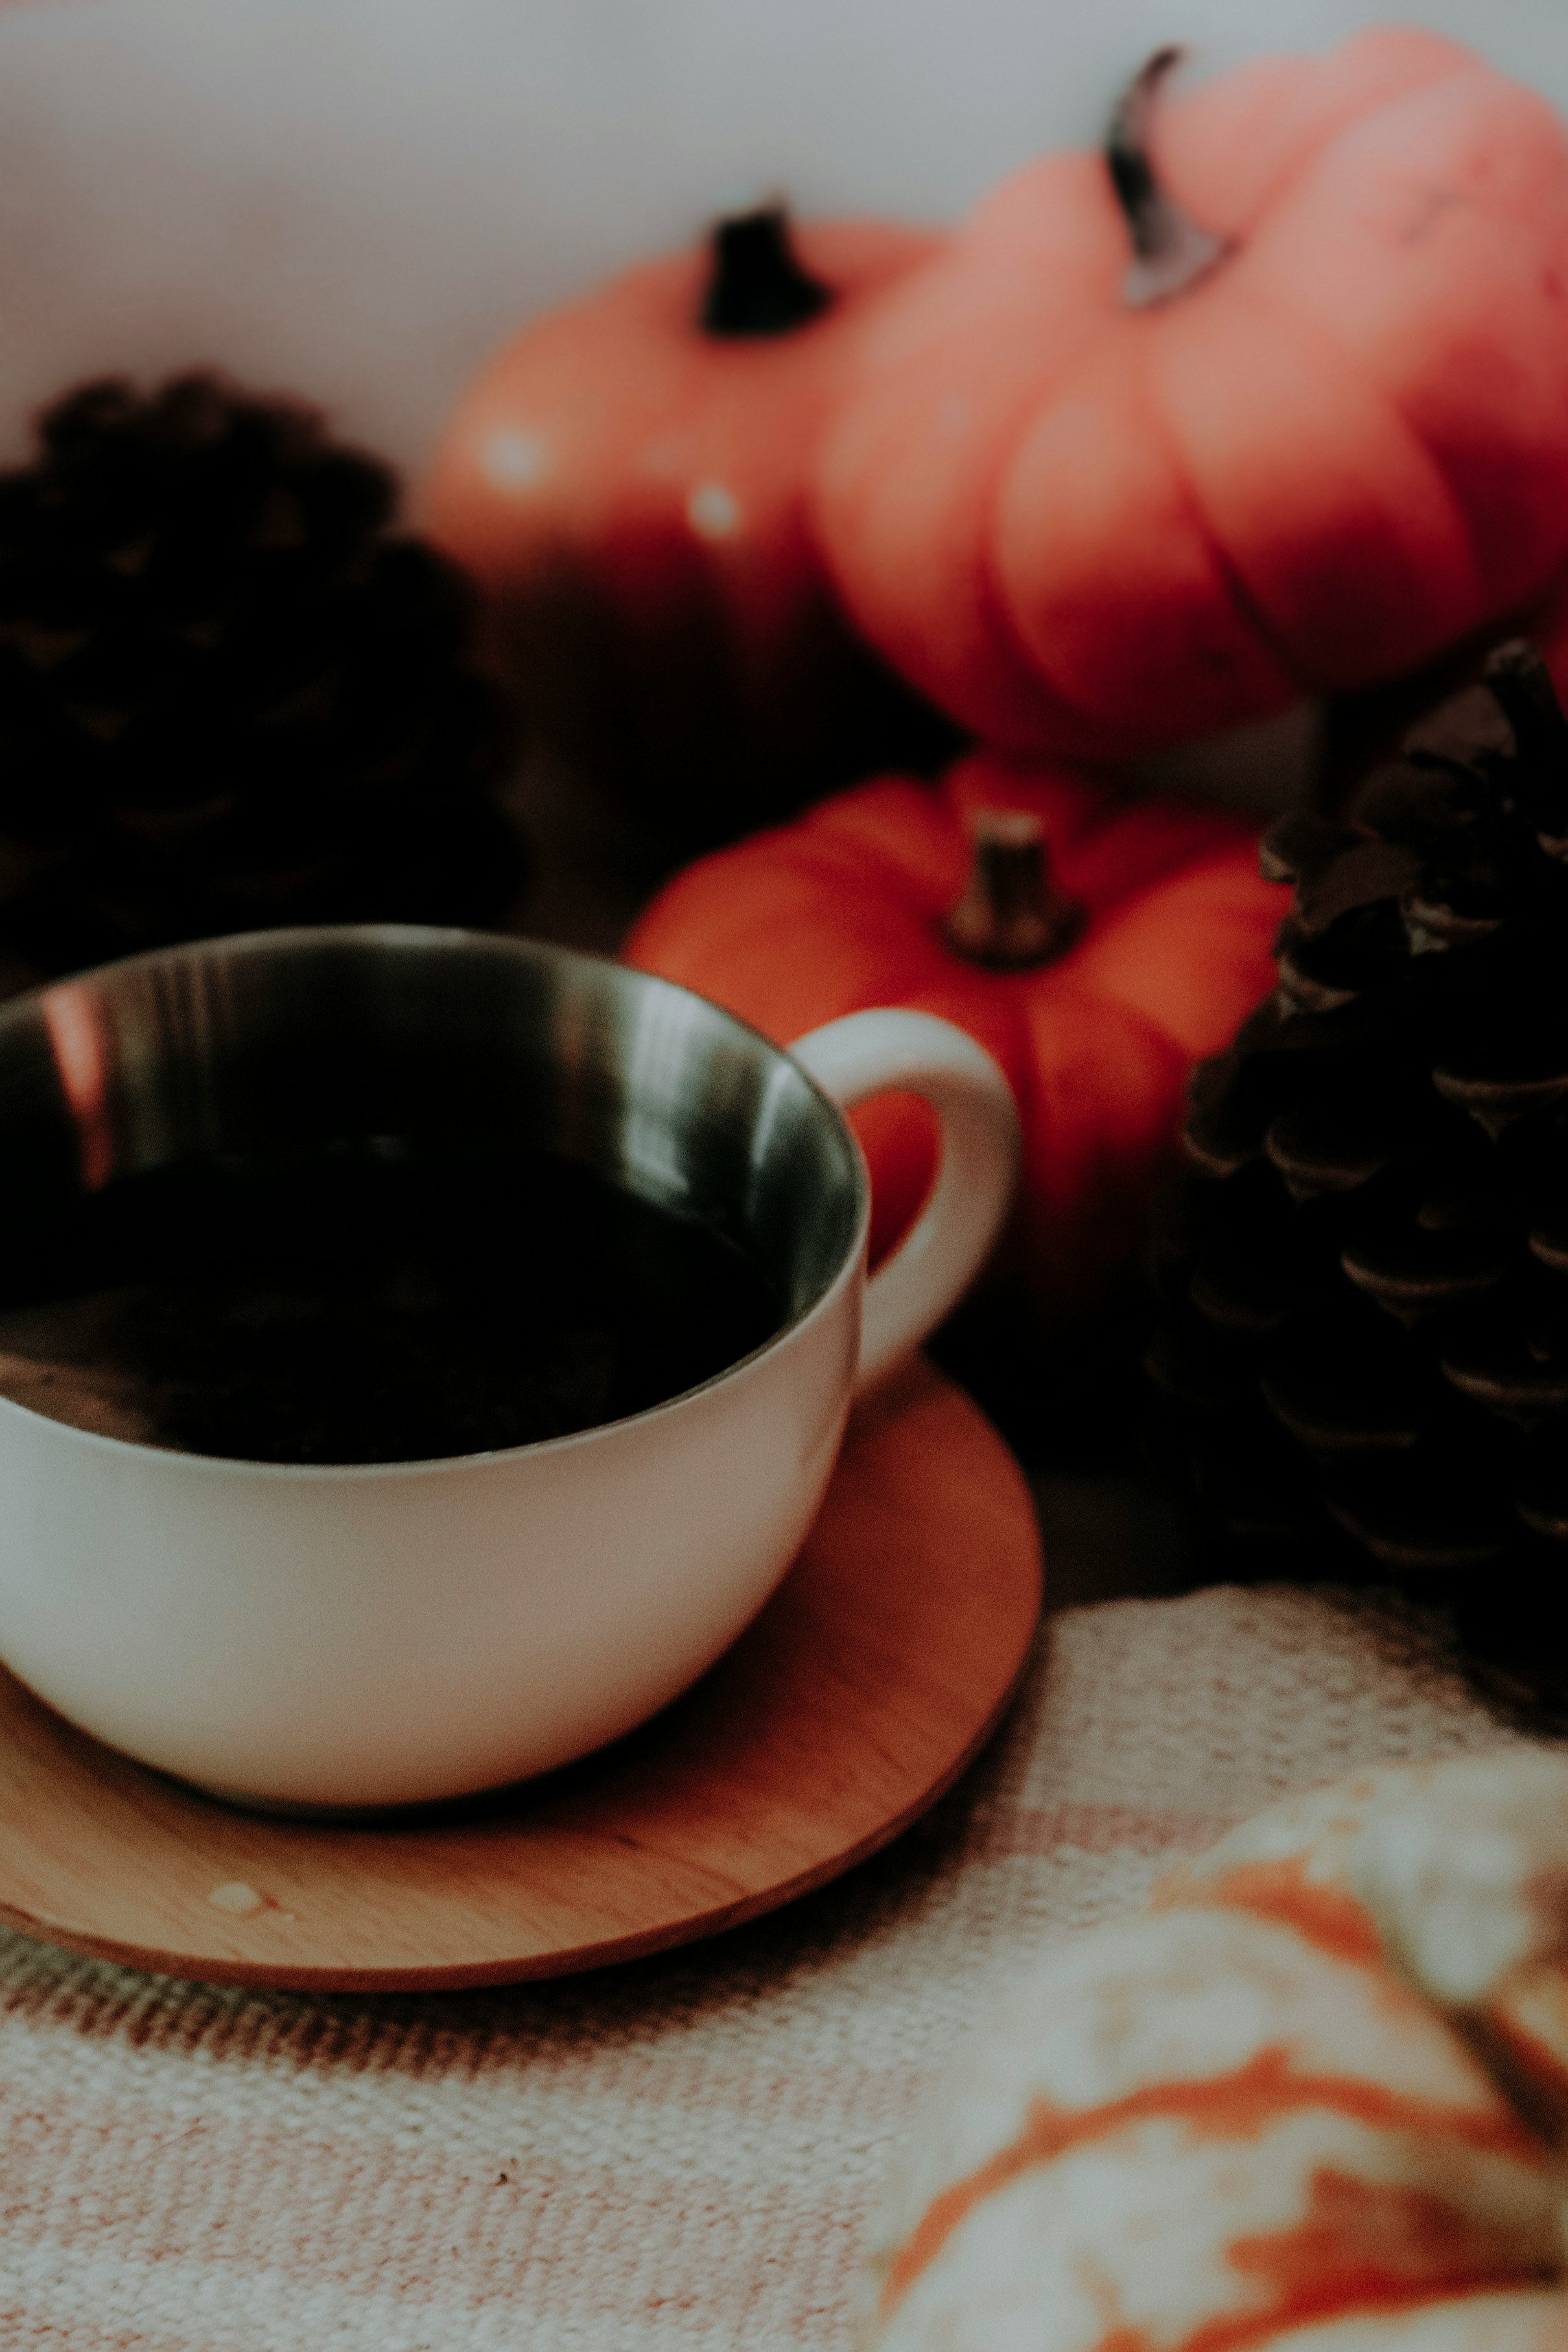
[230,695]
[1364,1355]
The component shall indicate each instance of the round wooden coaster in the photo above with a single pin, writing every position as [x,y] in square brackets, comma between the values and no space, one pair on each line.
[871,1679]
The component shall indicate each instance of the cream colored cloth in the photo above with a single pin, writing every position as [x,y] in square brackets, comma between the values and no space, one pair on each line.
[680,2156]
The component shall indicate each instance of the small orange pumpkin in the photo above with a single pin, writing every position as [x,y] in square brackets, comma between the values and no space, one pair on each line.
[627,482]
[1313,2096]
[1095,991]
[1088,513]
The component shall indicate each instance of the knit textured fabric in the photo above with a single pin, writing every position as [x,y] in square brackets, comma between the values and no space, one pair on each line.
[681,2154]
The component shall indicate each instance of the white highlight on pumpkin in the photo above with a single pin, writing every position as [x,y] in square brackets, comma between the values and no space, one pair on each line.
[236,1897]
[714,511]
[516,461]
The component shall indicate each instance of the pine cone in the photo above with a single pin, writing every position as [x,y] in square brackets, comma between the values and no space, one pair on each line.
[1364,1349]
[229,697]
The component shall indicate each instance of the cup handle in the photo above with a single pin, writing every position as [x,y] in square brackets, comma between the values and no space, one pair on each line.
[914,1053]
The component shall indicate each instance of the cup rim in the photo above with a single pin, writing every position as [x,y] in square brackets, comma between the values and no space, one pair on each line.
[455,938]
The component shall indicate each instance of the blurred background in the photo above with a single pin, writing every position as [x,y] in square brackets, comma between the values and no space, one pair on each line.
[359,198]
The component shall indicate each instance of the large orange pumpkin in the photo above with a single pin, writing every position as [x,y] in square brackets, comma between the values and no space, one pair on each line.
[1313,2097]
[1087,517]
[1095,993]
[627,482]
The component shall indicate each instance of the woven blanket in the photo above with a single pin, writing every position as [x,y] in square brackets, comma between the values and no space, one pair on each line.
[678,2156]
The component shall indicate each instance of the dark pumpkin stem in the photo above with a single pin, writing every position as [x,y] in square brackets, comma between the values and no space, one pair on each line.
[1008,917]
[757,285]
[1170,250]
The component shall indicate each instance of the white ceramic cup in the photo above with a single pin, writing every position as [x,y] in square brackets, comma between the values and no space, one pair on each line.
[374,1634]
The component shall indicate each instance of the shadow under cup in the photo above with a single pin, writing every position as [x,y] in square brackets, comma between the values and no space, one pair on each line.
[385,1632]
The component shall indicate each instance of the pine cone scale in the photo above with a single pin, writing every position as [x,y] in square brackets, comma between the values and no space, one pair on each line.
[1384,1150]
[228,692]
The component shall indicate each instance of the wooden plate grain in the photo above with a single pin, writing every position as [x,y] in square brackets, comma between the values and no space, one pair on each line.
[874,1674]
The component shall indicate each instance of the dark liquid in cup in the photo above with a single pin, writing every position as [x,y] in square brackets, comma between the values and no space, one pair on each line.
[367,1304]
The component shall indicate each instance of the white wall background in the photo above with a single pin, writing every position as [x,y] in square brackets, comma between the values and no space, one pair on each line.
[358,198]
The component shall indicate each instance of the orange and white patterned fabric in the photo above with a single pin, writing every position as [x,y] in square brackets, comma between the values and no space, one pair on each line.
[1314,2094]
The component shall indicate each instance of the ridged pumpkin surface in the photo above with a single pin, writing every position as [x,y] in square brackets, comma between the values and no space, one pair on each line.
[1293,2103]
[1086,528]
[629,490]
[616,433]
[844,909]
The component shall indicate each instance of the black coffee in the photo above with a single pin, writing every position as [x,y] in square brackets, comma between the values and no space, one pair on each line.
[367,1304]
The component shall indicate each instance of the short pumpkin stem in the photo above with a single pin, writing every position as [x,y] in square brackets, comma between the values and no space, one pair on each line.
[756,285]
[1008,917]
[1170,250]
